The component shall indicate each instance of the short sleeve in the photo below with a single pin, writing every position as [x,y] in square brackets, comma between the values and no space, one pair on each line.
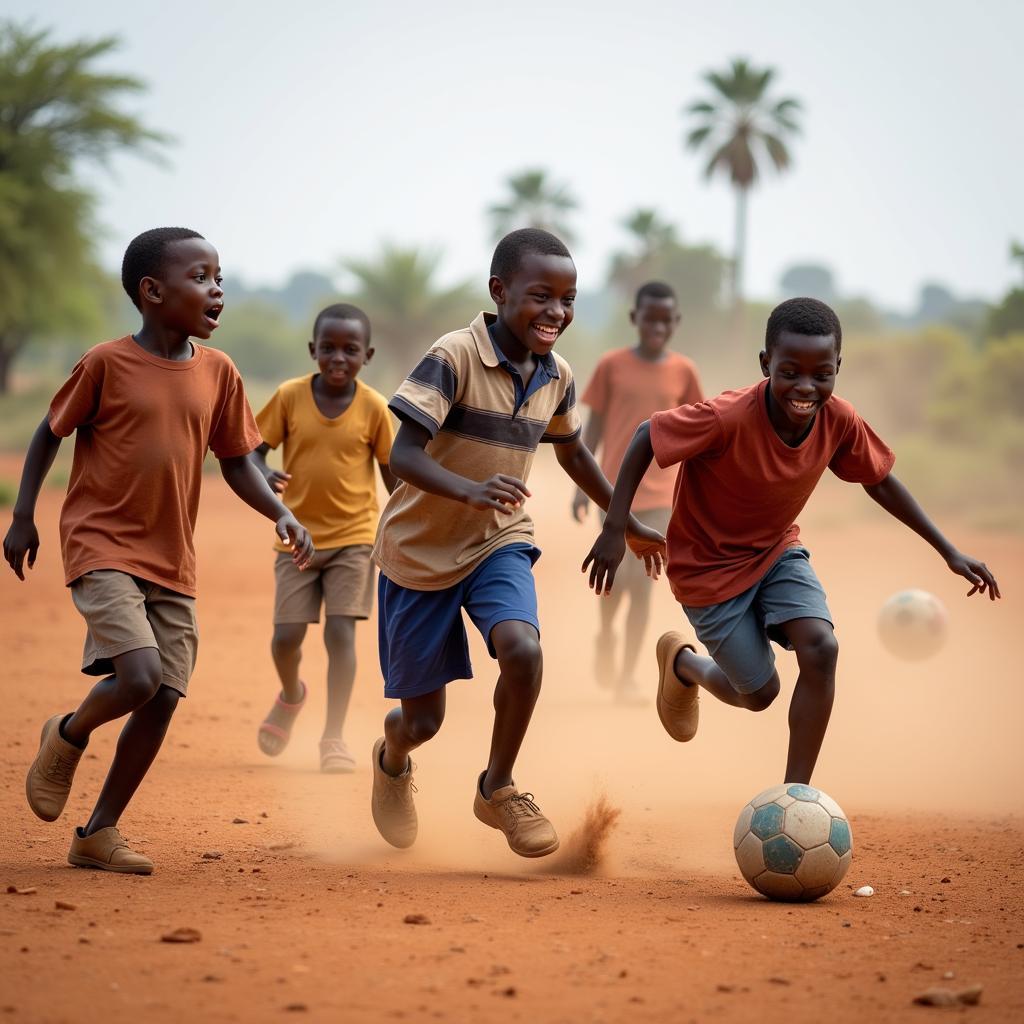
[272,420]
[384,436]
[428,393]
[564,425]
[234,430]
[862,457]
[684,432]
[76,403]
[596,393]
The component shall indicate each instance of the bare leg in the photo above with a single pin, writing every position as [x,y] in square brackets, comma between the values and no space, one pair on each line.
[520,663]
[410,726]
[340,640]
[137,746]
[811,707]
[604,649]
[699,670]
[286,650]
[136,678]
[636,626]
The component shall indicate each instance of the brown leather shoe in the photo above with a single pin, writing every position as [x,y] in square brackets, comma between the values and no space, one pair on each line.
[391,803]
[516,814]
[678,705]
[107,850]
[48,782]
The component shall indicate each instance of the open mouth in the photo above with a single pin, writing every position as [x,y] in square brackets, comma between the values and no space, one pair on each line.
[802,406]
[546,332]
[212,316]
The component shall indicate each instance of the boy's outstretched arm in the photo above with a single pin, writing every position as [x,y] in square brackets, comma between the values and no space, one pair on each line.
[575,458]
[411,463]
[606,554]
[591,439]
[23,537]
[245,479]
[277,478]
[900,503]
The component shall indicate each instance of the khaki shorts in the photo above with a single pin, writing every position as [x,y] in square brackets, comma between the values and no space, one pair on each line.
[631,572]
[124,613]
[339,578]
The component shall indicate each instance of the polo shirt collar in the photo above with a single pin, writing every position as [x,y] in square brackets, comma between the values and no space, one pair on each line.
[491,355]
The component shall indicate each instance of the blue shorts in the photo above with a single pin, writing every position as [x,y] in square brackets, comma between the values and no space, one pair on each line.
[422,638]
[736,632]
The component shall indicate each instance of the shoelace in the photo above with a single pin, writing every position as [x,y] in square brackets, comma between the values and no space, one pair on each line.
[522,804]
[61,768]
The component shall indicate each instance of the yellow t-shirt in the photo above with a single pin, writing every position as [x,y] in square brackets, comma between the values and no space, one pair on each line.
[332,490]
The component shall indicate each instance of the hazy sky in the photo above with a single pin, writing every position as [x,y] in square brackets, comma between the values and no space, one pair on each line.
[307,132]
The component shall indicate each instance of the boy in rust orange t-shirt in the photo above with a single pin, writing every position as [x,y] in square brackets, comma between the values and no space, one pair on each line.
[145,409]
[750,460]
[627,387]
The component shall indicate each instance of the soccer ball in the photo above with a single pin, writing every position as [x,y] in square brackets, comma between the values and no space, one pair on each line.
[912,624]
[793,842]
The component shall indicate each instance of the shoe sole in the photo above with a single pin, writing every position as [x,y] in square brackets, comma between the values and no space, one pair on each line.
[28,792]
[665,668]
[78,861]
[519,853]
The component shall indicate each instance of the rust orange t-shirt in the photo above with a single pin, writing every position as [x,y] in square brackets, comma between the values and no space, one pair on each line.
[741,486]
[143,427]
[627,389]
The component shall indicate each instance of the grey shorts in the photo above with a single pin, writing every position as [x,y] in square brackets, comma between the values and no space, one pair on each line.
[341,579]
[737,632]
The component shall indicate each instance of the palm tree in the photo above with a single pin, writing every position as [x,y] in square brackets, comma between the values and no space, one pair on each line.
[648,230]
[408,309]
[535,202]
[740,124]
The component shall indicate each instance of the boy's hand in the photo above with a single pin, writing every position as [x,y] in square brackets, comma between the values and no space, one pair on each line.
[293,533]
[22,538]
[277,479]
[604,559]
[501,492]
[580,505]
[648,545]
[976,573]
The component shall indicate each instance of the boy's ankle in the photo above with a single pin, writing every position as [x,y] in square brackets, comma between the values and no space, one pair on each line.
[395,771]
[679,667]
[75,741]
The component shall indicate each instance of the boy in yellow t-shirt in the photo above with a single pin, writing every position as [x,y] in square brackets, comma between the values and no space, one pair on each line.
[333,427]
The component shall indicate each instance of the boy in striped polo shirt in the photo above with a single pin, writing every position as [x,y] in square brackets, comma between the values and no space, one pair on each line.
[455,533]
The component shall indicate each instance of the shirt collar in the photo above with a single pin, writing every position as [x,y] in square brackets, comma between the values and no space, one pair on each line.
[491,355]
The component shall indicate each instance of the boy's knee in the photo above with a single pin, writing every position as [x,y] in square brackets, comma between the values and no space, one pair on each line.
[140,680]
[764,698]
[165,701]
[288,637]
[339,630]
[819,652]
[519,654]
[422,727]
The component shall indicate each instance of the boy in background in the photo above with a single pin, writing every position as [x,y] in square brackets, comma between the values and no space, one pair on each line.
[144,409]
[334,428]
[628,386]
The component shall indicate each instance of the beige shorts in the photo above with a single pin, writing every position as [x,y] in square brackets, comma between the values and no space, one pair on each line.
[339,578]
[124,613]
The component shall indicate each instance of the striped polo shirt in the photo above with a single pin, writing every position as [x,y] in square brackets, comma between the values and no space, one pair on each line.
[481,422]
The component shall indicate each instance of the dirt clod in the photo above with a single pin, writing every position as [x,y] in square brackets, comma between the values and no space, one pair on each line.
[182,935]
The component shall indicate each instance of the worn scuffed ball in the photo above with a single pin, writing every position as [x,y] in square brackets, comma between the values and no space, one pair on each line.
[912,624]
[793,842]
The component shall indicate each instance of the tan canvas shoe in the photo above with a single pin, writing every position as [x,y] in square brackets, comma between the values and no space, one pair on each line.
[336,758]
[48,782]
[107,850]
[516,814]
[391,803]
[678,705]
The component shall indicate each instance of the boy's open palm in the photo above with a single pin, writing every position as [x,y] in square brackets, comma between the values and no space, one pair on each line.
[976,573]
[294,534]
[22,538]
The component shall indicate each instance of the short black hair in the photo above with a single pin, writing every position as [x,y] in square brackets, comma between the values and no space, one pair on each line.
[342,311]
[145,257]
[509,253]
[654,290]
[803,316]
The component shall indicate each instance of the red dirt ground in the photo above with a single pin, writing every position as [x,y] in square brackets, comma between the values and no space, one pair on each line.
[302,913]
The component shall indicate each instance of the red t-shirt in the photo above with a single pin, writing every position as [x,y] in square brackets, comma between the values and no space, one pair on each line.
[143,427]
[741,486]
[627,389]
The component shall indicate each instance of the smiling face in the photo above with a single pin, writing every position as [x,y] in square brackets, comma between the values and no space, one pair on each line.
[655,319]
[801,370]
[536,303]
[340,349]
[187,295]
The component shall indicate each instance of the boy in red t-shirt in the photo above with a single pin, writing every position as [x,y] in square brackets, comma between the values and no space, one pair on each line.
[750,460]
[144,409]
[627,387]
